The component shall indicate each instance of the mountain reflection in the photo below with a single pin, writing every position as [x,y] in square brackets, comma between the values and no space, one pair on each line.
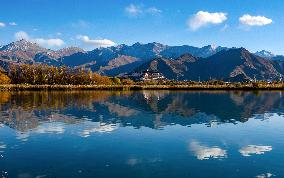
[24,111]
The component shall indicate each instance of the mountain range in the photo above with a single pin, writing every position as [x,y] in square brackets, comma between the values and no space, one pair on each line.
[269,55]
[174,62]
[229,65]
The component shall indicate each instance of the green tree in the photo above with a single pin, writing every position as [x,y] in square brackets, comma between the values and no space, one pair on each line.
[116,81]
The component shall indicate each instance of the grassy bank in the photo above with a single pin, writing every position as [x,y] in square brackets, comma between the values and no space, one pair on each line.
[199,86]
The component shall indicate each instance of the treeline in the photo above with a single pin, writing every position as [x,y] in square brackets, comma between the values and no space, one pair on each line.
[40,74]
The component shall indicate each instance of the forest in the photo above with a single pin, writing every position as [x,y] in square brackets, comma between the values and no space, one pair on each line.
[41,74]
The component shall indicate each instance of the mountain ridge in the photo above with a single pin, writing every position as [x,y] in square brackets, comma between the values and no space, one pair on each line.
[182,62]
[228,65]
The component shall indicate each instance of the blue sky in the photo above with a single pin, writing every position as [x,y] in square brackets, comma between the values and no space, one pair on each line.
[253,24]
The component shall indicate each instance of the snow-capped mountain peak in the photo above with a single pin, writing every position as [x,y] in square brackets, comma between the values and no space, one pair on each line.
[265,54]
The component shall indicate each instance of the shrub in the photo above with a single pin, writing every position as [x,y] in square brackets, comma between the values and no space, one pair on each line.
[101,80]
[4,79]
[116,81]
[128,82]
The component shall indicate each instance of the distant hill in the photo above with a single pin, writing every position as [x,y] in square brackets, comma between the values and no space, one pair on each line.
[230,65]
[27,52]
[278,58]
[109,61]
[141,52]
[175,62]
[269,55]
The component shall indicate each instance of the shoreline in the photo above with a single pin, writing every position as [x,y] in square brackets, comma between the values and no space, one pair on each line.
[232,86]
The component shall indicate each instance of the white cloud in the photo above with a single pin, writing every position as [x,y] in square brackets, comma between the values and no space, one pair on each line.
[95,43]
[153,10]
[133,10]
[51,42]
[254,149]
[21,35]
[2,24]
[254,20]
[136,10]
[80,24]
[202,18]
[203,152]
[13,23]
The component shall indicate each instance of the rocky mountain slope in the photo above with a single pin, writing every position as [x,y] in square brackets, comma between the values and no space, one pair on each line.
[141,52]
[268,55]
[28,53]
[109,61]
[236,64]
[175,62]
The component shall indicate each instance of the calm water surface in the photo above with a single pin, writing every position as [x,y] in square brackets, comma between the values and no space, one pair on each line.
[153,134]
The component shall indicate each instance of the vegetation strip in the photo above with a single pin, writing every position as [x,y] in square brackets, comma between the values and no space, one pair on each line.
[232,86]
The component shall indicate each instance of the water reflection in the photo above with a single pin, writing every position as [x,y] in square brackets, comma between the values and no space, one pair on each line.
[26,110]
[2,147]
[265,175]
[203,152]
[120,111]
[254,149]
[93,127]
[137,161]
[141,134]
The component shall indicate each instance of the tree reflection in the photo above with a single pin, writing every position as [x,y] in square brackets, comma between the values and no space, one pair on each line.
[155,109]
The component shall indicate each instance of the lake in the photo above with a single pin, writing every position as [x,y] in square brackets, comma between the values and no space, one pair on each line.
[142,134]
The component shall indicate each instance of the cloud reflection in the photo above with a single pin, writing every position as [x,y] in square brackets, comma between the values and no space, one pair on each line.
[132,161]
[265,175]
[101,128]
[46,128]
[23,136]
[136,161]
[204,152]
[254,149]
[56,128]
[2,147]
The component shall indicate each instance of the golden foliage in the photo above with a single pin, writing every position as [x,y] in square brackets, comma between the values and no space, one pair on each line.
[50,75]
[4,79]
[101,80]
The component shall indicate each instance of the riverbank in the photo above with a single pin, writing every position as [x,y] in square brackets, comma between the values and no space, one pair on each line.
[200,86]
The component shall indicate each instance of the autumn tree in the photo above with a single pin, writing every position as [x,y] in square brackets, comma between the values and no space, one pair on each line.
[127,82]
[4,79]
[41,74]
[101,80]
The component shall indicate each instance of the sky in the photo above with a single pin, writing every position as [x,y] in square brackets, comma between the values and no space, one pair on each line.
[253,24]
